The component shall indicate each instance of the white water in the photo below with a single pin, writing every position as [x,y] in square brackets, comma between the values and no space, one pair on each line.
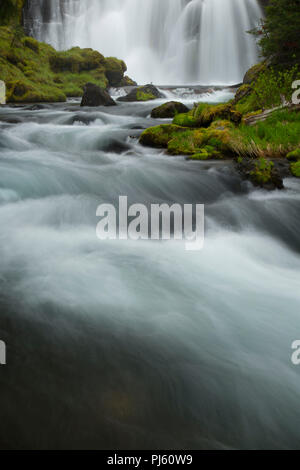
[141,344]
[162,41]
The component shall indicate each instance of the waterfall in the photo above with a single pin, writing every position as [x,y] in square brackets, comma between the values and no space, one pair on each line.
[162,41]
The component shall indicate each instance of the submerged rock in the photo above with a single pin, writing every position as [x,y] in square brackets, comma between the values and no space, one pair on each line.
[142,93]
[169,110]
[96,96]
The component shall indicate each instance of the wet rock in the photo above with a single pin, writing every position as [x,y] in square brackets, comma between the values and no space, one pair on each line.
[142,93]
[262,173]
[96,96]
[169,110]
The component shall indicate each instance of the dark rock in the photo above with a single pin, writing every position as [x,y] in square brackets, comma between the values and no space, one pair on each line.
[169,110]
[142,93]
[262,173]
[96,96]
[114,70]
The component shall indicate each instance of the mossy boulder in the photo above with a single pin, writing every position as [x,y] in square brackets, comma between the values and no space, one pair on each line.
[261,172]
[169,110]
[253,73]
[205,114]
[159,136]
[114,70]
[200,143]
[142,93]
[295,169]
[242,92]
[19,91]
[44,74]
[186,120]
[127,81]
[294,156]
[76,60]
[96,96]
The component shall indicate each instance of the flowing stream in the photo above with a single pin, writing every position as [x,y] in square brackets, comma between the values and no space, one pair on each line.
[162,41]
[140,344]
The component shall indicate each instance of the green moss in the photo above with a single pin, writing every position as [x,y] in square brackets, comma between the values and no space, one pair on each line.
[114,70]
[294,155]
[159,136]
[295,169]
[205,114]
[141,96]
[45,74]
[186,120]
[253,73]
[262,172]
[32,44]
[178,140]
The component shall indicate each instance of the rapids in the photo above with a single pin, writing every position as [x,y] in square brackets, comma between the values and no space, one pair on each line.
[140,344]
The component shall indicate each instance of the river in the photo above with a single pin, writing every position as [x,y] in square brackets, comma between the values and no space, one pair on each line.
[140,344]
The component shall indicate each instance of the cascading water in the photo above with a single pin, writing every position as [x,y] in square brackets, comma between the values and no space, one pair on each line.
[163,41]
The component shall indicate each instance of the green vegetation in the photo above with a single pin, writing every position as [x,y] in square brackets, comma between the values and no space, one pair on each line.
[295,169]
[267,90]
[203,115]
[114,70]
[141,96]
[262,172]
[11,12]
[275,137]
[198,144]
[36,72]
[279,32]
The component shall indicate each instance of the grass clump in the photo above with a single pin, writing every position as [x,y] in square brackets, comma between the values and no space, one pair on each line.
[275,137]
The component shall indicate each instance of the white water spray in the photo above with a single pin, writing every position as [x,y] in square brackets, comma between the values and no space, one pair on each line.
[163,41]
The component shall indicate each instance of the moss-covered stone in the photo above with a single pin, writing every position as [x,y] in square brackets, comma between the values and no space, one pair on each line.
[142,93]
[169,110]
[205,114]
[127,81]
[294,156]
[261,172]
[114,70]
[159,136]
[295,169]
[207,143]
[45,74]
[252,74]
[186,120]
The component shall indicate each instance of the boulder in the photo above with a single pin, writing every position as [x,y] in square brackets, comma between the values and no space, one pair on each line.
[95,96]
[142,93]
[127,81]
[114,70]
[261,172]
[169,110]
